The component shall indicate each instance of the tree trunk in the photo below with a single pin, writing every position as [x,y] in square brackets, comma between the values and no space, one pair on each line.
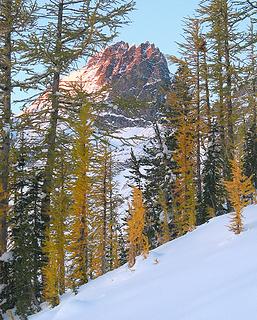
[6,126]
[105,211]
[253,98]
[228,93]
[207,92]
[111,220]
[198,128]
[52,131]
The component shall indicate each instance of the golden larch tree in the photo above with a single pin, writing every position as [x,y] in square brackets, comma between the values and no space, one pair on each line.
[78,247]
[185,191]
[55,245]
[185,125]
[50,271]
[240,190]
[137,240]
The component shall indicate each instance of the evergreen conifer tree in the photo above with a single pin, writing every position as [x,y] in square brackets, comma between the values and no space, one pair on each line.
[222,34]
[165,235]
[214,197]
[158,179]
[16,17]
[24,236]
[250,143]
[184,155]
[68,32]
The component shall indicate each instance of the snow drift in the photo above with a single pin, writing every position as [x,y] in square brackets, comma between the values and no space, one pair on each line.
[208,274]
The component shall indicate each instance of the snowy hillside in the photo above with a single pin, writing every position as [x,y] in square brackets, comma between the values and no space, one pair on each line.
[122,142]
[208,274]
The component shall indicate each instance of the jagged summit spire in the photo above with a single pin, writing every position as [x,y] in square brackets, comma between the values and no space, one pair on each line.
[136,71]
[131,70]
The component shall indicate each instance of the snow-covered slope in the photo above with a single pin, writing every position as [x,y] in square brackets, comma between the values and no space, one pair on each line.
[208,274]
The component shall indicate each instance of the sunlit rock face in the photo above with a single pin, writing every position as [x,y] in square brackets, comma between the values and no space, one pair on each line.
[131,79]
[131,71]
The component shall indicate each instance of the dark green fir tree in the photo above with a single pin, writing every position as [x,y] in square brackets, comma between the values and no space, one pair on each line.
[214,193]
[25,225]
[158,166]
[250,154]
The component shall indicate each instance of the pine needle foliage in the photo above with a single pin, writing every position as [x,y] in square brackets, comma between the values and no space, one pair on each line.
[185,193]
[239,189]
[50,271]
[165,237]
[138,242]
[185,152]
[81,209]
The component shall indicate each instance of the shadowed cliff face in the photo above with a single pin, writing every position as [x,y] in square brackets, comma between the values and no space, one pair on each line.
[131,71]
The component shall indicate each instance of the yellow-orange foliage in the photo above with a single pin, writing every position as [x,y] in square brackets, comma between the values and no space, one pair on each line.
[59,216]
[115,262]
[54,247]
[138,242]
[185,193]
[81,210]
[3,214]
[50,272]
[2,195]
[239,189]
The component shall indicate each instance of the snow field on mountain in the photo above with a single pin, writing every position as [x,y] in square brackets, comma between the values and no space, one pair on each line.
[208,274]
[126,139]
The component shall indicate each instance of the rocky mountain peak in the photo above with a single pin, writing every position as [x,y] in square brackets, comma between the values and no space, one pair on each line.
[130,71]
[138,72]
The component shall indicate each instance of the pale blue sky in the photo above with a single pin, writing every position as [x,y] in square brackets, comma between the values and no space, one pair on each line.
[158,21]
